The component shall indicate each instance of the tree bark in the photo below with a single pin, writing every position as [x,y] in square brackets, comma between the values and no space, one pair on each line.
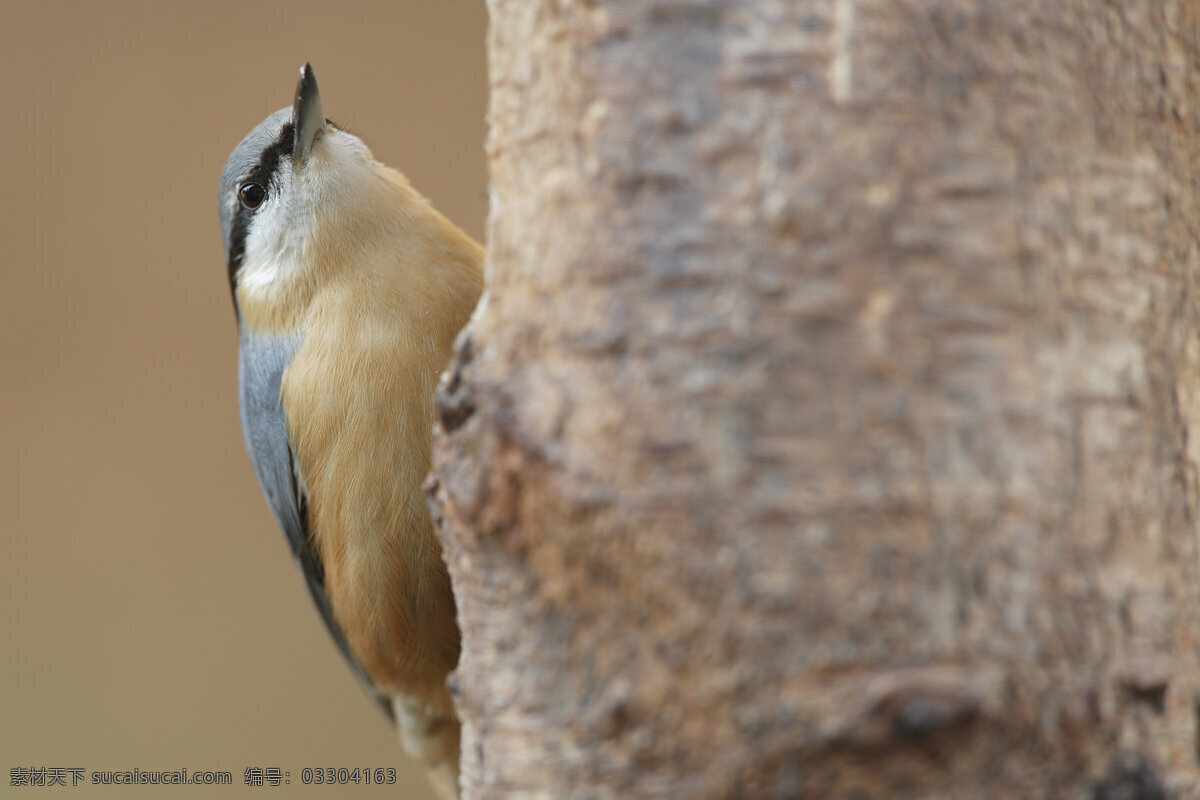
[825,429]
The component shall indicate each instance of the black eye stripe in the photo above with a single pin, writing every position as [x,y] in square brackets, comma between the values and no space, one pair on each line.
[263,174]
[269,161]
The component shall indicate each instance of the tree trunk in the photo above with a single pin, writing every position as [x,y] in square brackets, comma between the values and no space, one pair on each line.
[825,430]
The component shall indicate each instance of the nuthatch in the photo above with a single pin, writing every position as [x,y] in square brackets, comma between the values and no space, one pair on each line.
[349,288]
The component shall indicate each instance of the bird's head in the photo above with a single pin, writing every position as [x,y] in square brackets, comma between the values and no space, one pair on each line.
[294,175]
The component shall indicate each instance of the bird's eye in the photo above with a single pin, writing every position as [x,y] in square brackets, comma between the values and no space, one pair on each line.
[251,195]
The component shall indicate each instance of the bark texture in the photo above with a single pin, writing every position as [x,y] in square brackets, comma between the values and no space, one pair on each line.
[827,430]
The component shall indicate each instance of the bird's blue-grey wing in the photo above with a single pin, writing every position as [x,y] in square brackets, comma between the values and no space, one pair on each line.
[262,360]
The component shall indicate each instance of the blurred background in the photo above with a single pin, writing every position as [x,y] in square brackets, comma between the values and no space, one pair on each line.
[153,618]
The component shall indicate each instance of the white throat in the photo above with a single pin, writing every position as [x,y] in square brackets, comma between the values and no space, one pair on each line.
[277,238]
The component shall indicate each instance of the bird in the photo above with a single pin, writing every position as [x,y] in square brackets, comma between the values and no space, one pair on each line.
[349,289]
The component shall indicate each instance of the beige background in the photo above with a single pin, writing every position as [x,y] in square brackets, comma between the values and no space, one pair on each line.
[152,616]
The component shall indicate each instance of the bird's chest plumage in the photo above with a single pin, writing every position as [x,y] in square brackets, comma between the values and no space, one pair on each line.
[337,418]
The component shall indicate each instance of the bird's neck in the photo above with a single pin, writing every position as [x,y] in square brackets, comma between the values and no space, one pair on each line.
[396,252]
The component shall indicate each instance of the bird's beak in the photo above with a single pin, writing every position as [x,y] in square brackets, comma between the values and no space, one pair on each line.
[308,118]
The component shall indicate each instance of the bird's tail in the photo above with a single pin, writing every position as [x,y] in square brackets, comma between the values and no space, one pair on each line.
[430,731]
